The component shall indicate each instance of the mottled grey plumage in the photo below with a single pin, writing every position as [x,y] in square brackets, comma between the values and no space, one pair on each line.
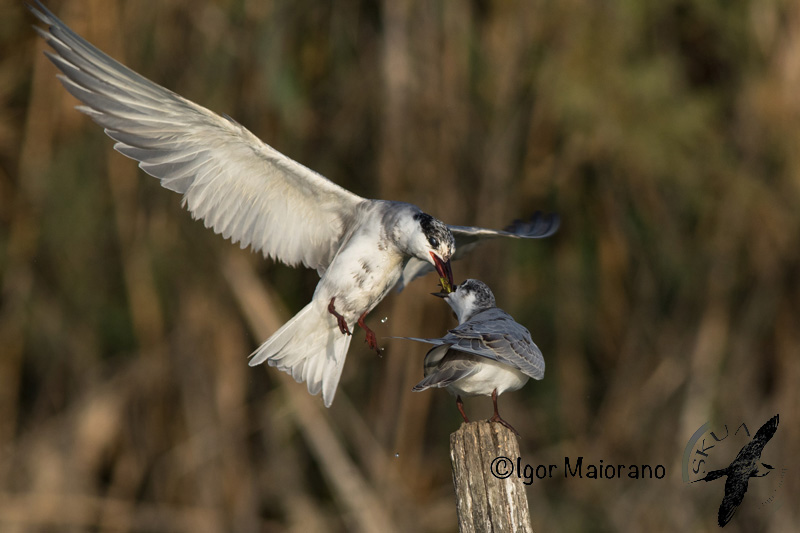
[492,334]
[488,353]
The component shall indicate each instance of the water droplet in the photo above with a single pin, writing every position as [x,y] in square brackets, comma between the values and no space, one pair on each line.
[384,320]
[396,455]
[383,349]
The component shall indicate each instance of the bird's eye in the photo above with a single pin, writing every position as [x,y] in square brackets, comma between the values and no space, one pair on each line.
[434,242]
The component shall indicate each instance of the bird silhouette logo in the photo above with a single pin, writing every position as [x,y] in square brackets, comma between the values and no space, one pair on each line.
[741,469]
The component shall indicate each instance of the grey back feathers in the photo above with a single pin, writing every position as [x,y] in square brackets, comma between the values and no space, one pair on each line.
[485,331]
[495,334]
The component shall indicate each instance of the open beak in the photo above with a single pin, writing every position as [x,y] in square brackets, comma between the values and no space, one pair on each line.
[440,294]
[445,273]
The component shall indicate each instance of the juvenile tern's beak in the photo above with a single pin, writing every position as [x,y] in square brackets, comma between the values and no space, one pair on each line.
[441,294]
[445,273]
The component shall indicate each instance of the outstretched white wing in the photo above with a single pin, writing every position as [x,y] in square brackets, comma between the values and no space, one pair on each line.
[241,187]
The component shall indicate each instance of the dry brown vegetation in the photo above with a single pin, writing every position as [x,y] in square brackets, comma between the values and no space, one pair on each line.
[666,134]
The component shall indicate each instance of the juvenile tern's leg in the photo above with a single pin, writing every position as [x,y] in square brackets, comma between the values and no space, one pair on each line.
[496,415]
[372,340]
[339,318]
[460,406]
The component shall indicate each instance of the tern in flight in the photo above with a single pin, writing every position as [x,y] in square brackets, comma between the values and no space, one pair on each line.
[252,194]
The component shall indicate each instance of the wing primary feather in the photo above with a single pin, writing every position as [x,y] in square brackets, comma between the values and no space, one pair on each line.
[241,187]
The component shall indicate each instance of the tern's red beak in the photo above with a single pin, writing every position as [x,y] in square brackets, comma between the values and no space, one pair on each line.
[445,273]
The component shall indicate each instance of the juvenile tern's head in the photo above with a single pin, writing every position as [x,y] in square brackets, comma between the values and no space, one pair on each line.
[435,244]
[469,299]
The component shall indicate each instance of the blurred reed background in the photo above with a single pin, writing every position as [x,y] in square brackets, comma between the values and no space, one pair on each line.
[664,133]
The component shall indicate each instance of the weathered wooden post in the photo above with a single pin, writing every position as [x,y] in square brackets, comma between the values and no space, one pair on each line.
[490,495]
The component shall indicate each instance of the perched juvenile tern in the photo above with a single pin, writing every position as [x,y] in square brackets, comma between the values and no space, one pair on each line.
[487,354]
[250,193]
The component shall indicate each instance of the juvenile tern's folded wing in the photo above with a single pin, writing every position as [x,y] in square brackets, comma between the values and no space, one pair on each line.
[538,226]
[452,367]
[495,335]
[241,187]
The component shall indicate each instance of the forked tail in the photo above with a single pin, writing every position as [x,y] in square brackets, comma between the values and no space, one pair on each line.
[311,348]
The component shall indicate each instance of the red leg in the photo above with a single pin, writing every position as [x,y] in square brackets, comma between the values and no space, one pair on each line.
[372,340]
[496,416]
[460,406]
[339,318]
